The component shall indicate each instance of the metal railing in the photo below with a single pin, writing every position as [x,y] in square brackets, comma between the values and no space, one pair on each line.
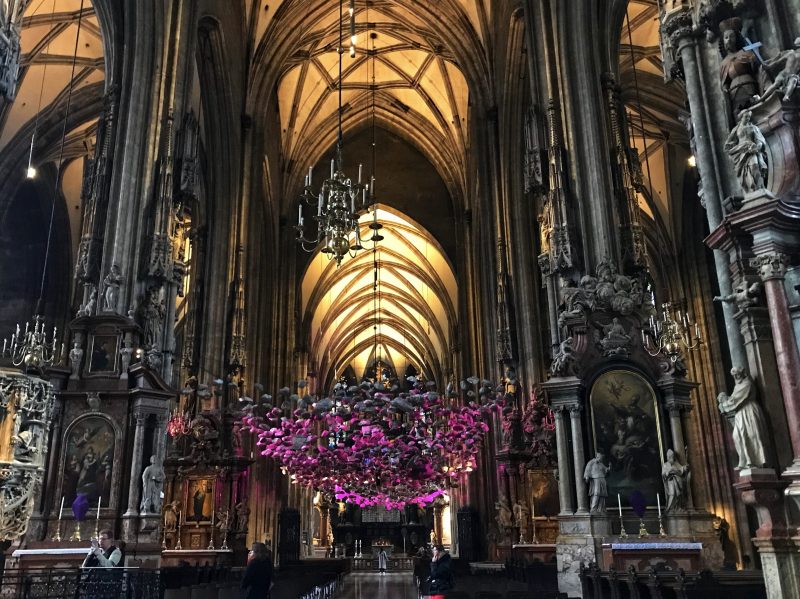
[86,583]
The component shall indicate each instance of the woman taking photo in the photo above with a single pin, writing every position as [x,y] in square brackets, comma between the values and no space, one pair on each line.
[257,579]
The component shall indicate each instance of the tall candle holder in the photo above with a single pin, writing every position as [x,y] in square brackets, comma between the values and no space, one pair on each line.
[76,534]
[661,531]
[534,539]
[178,546]
[211,541]
[57,537]
[623,534]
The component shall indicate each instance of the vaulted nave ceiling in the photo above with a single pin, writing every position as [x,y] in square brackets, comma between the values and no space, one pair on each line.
[405,318]
[49,28]
[421,90]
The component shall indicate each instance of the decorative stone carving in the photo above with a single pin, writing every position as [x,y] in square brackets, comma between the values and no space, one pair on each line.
[744,295]
[532,165]
[595,475]
[27,407]
[125,355]
[676,482]
[152,486]
[616,340]
[111,284]
[738,72]
[749,425]
[504,517]
[772,265]
[788,77]
[747,148]
[10,33]
[564,361]
[608,292]
[93,401]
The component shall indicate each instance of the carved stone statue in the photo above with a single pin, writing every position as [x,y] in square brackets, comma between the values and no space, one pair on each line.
[595,474]
[111,293]
[564,361]
[242,517]
[24,447]
[747,148]
[125,356]
[75,358]
[787,79]
[738,72]
[744,295]
[152,485]
[749,426]
[616,340]
[89,307]
[676,482]
[153,315]
[171,516]
[504,516]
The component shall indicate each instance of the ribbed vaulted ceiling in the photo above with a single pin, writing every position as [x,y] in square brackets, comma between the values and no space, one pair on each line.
[406,320]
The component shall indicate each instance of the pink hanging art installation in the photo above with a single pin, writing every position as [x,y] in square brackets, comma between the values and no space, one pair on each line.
[370,445]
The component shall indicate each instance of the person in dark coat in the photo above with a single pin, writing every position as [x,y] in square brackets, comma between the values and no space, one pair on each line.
[441,576]
[422,570]
[257,578]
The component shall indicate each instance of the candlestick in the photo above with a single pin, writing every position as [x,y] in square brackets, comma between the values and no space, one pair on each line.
[534,540]
[623,534]
[57,536]
[178,546]
[97,520]
[661,531]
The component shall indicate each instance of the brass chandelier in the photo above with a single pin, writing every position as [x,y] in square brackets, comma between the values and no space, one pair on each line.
[335,204]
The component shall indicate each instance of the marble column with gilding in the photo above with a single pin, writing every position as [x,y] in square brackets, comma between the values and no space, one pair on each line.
[578,457]
[564,487]
[772,269]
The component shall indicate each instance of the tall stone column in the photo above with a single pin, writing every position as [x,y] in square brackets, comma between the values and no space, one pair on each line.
[772,269]
[564,488]
[136,466]
[578,457]
[562,447]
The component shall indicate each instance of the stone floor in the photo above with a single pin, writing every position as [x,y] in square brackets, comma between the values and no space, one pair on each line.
[372,585]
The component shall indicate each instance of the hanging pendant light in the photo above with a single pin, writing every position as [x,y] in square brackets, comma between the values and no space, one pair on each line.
[339,196]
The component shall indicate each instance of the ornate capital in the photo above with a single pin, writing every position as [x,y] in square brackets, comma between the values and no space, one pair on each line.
[575,410]
[771,265]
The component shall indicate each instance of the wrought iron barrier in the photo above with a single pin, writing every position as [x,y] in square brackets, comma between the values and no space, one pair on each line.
[87,583]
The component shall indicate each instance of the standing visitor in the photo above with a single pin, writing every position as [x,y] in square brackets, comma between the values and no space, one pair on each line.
[257,579]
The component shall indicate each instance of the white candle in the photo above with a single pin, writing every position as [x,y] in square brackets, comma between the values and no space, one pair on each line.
[359,172]
[61,509]
[658,501]
[533,508]
[310,173]
[300,214]
[333,167]
[99,499]
[619,503]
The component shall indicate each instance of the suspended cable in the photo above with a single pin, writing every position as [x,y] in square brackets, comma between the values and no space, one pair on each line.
[59,164]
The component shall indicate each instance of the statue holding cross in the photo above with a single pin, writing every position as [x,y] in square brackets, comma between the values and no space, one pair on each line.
[738,73]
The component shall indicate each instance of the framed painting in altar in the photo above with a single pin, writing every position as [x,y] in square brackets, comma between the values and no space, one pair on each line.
[626,427]
[198,501]
[103,356]
[88,461]
[543,492]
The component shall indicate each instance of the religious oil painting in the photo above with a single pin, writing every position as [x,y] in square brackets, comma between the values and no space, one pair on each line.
[199,503]
[103,357]
[626,428]
[89,461]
